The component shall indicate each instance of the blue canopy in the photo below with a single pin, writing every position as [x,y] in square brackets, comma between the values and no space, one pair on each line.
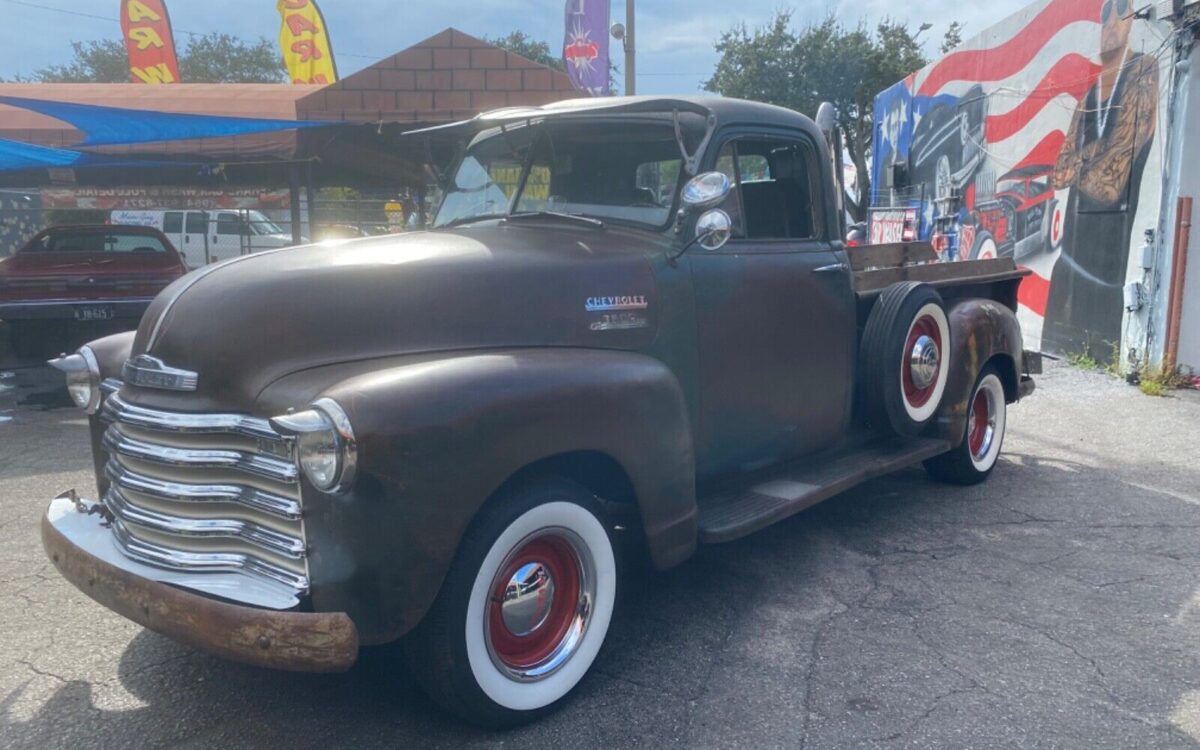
[16,155]
[105,126]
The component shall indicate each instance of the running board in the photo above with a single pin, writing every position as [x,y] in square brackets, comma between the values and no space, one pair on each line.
[725,517]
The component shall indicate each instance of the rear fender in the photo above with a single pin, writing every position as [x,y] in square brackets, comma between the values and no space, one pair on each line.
[438,438]
[980,330]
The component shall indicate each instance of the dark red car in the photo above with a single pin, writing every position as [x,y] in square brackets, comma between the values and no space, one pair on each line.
[1013,221]
[70,276]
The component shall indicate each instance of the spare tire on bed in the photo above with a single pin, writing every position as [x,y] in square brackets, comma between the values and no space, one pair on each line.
[903,357]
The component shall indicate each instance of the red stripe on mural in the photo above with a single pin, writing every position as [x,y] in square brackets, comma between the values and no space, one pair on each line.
[1013,55]
[1074,75]
[1046,152]
[1034,293]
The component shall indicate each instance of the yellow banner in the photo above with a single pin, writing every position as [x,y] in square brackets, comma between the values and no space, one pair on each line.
[304,40]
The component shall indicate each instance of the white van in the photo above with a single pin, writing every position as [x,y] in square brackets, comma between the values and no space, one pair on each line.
[204,237]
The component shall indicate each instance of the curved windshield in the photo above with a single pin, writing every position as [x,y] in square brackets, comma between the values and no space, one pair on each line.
[613,171]
[261,224]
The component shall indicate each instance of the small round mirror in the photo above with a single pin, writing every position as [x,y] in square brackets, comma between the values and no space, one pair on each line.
[713,229]
[706,190]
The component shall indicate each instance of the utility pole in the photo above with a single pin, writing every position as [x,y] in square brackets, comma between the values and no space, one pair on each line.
[624,33]
[630,49]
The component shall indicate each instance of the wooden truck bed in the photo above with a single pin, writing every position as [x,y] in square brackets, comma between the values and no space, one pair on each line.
[877,267]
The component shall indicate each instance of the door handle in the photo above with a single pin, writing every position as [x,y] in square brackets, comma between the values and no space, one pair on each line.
[831,268]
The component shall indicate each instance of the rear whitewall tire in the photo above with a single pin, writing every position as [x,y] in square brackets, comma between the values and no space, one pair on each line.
[499,686]
[975,457]
[936,314]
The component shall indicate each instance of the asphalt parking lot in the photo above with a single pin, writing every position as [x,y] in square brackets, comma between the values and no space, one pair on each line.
[1058,605]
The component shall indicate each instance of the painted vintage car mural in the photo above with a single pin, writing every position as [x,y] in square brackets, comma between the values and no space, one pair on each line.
[1031,141]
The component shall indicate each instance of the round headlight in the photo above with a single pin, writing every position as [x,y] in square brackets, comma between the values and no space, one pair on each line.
[326,450]
[83,378]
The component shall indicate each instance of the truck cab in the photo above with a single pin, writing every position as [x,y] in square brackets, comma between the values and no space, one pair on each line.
[633,329]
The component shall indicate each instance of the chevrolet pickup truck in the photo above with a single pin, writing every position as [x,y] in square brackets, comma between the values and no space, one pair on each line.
[633,329]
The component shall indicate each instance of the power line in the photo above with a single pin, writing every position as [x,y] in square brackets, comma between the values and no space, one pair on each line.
[69,12]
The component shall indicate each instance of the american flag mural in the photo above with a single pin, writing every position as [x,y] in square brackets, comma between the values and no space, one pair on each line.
[1032,141]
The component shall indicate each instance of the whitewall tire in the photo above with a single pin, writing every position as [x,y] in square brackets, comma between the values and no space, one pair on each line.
[973,459]
[525,608]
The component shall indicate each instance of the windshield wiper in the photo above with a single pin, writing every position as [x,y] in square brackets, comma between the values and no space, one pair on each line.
[467,220]
[588,220]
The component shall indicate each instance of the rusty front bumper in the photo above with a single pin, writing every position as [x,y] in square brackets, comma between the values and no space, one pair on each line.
[296,641]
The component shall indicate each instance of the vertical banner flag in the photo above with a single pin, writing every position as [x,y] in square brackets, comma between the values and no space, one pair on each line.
[585,50]
[304,39]
[148,41]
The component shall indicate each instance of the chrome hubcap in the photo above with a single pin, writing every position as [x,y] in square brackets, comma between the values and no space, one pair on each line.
[540,605]
[528,598]
[923,362]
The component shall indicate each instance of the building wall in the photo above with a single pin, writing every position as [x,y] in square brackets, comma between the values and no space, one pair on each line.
[1040,139]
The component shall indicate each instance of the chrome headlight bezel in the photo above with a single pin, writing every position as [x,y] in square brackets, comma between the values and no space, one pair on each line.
[82,372]
[318,434]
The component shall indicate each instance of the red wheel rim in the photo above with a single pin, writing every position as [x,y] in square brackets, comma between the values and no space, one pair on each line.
[523,651]
[978,423]
[924,326]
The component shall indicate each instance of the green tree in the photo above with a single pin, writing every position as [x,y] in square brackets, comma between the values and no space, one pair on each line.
[826,61]
[212,58]
[953,38]
[520,43]
[222,58]
[92,62]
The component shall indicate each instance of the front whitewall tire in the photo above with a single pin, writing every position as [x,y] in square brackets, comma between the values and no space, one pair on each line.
[530,695]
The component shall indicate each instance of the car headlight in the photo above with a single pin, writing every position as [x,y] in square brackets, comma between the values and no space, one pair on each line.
[83,378]
[326,449]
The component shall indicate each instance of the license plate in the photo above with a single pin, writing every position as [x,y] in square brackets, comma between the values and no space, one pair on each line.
[94,312]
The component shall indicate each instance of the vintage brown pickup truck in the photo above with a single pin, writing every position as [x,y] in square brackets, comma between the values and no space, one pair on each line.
[632,329]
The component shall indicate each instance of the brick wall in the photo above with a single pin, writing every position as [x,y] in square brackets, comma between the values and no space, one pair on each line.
[450,76]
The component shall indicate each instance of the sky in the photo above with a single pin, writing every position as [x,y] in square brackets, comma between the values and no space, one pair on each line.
[674,37]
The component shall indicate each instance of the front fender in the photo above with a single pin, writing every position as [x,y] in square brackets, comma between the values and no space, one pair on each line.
[980,329]
[438,437]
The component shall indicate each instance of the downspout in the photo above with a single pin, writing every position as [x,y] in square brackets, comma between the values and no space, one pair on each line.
[1179,253]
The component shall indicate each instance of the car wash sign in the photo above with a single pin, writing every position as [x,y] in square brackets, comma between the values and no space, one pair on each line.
[304,40]
[148,42]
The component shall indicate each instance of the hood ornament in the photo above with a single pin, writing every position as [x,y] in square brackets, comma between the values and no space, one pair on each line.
[145,371]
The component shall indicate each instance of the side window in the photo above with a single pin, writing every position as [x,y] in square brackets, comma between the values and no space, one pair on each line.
[197,222]
[172,222]
[773,178]
[228,224]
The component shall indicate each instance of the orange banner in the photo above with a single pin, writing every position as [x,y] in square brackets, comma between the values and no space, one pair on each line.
[304,39]
[148,41]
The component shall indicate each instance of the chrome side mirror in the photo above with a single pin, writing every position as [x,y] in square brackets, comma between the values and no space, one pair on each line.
[706,190]
[713,229]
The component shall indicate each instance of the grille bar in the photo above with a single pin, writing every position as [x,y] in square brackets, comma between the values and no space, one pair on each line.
[200,458]
[268,539]
[116,409]
[252,498]
[208,562]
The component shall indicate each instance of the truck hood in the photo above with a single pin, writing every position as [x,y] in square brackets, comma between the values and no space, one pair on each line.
[243,324]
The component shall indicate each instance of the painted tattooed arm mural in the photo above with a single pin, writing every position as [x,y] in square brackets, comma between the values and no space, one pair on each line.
[1031,141]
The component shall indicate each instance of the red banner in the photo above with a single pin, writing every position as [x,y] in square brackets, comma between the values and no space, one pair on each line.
[148,41]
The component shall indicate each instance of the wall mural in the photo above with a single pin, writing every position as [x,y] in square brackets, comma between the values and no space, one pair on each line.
[1031,141]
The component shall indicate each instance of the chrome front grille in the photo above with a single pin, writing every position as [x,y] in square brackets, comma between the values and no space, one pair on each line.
[204,493]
